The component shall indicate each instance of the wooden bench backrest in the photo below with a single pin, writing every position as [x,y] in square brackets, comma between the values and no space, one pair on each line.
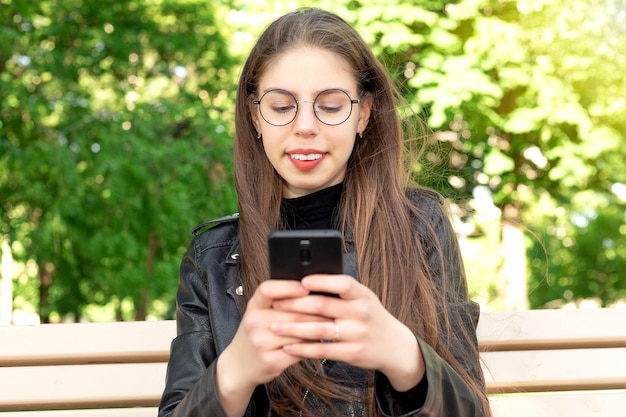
[107,365]
[554,350]
[568,362]
[84,365]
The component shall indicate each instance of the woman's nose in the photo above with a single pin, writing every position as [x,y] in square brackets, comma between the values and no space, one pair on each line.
[306,120]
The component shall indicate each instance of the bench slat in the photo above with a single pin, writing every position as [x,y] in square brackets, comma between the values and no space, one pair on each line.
[588,404]
[555,370]
[552,329]
[103,412]
[146,341]
[142,384]
[86,386]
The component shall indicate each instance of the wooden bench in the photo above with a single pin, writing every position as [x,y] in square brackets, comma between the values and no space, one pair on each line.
[552,363]
[541,363]
[94,369]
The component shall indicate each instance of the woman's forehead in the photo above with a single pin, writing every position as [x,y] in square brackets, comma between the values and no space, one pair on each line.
[307,70]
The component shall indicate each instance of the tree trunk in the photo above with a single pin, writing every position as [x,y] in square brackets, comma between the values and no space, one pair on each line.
[6,285]
[141,305]
[46,272]
[512,286]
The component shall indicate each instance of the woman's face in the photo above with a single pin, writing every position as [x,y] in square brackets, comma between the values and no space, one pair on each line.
[308,154]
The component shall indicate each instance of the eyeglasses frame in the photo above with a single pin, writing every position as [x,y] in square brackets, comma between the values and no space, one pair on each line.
[352,102]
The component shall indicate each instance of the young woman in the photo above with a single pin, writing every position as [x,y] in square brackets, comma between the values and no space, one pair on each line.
[319,145]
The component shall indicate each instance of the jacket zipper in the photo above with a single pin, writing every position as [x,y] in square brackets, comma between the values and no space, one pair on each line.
[306,393]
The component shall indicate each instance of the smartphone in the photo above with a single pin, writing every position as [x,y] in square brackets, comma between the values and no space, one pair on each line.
[293,254]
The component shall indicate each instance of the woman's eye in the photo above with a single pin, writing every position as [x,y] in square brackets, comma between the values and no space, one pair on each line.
[283,108]
[328,108]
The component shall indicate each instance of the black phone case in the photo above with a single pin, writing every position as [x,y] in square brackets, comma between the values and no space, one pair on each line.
[294,254]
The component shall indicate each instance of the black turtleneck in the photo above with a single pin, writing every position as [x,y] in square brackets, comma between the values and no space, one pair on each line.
[317,210]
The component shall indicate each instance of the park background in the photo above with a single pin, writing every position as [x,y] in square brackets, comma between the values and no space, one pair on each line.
[116,126]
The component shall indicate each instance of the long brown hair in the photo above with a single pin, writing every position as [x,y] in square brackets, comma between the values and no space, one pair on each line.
[374,207]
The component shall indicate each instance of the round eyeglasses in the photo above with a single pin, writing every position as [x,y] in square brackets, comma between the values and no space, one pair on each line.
[331,107]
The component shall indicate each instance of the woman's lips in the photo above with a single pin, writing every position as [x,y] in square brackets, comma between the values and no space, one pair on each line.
[306,161]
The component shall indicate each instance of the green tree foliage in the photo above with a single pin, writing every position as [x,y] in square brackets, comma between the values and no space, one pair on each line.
[115,140]
[587,253]
[527,98]
[116,119]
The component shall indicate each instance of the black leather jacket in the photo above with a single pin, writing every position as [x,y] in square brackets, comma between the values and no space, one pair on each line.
[208,317]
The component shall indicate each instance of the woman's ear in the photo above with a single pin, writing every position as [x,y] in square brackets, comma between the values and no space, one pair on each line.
[364,113]
[254,115]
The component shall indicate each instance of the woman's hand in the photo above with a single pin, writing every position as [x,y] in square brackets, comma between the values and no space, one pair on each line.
[256,354]
[363,332]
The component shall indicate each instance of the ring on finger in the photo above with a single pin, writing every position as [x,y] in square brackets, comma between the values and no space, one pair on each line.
[337,334]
